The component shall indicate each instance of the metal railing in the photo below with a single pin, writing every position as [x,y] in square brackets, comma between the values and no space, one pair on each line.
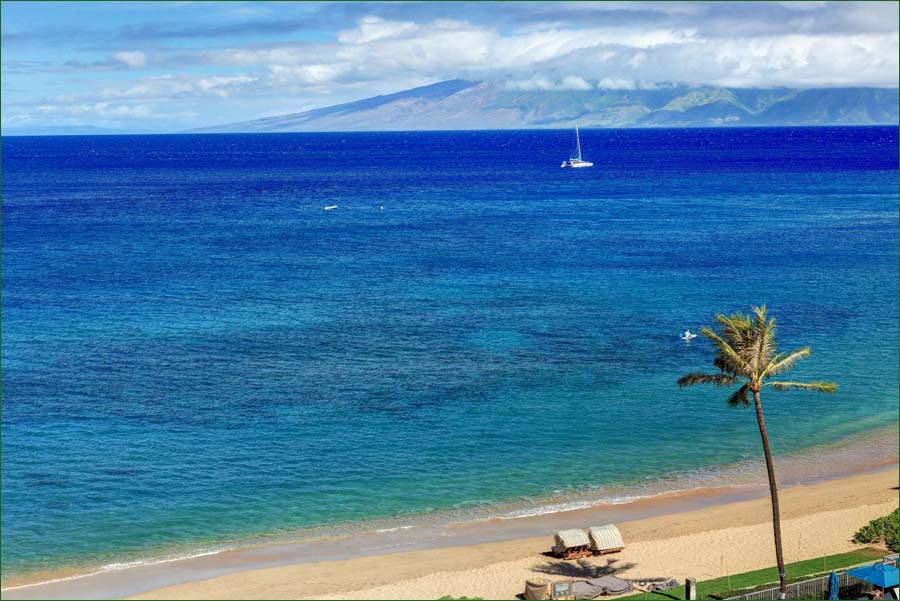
[849,587]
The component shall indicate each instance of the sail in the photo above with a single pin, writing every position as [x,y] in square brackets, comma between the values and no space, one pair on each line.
[576,154]
[578,142]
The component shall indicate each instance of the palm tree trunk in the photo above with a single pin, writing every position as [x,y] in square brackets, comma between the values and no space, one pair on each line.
[773,490]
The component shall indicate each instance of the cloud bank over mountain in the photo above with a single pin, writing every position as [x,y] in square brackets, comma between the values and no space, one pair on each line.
[206,63]
[461,104]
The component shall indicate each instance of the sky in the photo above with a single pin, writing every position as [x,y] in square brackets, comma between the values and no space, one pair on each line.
[171,66]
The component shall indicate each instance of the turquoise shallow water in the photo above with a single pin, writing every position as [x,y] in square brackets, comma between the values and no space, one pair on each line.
[195,354]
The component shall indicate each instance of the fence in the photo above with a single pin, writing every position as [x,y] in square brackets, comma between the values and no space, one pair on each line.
[850,587]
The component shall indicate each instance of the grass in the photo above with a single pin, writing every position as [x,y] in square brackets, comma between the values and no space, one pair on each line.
[737,584]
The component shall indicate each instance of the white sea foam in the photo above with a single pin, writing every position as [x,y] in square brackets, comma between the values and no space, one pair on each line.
[810,465]
[383,530]
[121,566]
[576,505]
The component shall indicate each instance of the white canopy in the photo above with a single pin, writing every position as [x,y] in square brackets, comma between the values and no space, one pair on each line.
[566,539]
[605,538]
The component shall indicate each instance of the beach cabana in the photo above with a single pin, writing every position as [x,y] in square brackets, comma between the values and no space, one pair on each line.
[605,539]
[571,544]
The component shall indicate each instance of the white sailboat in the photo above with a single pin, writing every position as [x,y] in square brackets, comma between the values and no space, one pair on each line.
[575,160]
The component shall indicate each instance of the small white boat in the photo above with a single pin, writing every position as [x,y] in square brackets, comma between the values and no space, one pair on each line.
[330,207]
[688,335]
[575,160]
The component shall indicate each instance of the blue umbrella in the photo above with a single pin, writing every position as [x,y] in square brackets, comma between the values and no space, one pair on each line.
[833,585]
[879,574]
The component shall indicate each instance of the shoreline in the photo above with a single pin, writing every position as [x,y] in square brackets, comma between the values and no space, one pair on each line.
[817,519]
[137,578]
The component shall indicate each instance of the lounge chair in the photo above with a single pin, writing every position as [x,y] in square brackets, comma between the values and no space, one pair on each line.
[663,586]
[604,585]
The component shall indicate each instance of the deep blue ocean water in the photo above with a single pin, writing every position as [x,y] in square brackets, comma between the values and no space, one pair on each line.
[195,353]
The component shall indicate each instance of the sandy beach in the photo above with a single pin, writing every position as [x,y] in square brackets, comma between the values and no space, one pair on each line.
[818,520]
[395,300]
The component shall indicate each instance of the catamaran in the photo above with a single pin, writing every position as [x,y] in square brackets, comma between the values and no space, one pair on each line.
[575,160]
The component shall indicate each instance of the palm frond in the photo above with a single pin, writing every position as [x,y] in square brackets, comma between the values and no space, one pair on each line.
[759,311]
[736,328]
[724,366]
[739,397]
[752,338]
[764,341]
[746,353]
[785,361]
[738,365]
[828,387]
[717,379]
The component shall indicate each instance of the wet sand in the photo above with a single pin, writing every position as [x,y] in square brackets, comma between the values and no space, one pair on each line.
[735,537]
[674,535]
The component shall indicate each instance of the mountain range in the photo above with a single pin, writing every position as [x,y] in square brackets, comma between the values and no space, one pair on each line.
[461,104]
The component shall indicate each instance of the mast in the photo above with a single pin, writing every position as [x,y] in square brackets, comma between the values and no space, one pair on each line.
[577,142]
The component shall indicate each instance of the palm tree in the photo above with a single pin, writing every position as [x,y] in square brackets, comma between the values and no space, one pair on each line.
[746,354]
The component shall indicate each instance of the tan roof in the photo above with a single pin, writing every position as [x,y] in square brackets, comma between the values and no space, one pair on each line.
[605,537]
[571,538]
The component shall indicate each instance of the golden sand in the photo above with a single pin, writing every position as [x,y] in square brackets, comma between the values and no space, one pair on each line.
[817,520]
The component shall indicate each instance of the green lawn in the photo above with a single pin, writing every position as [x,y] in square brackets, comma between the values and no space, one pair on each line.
[739,583]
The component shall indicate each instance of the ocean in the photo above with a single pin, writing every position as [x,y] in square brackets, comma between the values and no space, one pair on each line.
[196,355]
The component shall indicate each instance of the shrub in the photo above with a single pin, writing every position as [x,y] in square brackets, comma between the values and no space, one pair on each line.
[886,526]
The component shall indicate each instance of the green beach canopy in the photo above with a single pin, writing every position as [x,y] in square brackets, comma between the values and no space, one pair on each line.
[566,539]
[605,538]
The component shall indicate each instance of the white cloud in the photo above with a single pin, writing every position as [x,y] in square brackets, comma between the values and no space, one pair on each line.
[171,86]
[373,28]
[99,112]
[131,59]
[386,56]
[390,54]
[804,5]
[564,46]
[616,84]
[543,83]
[575,83]
[222,86]
[308,74]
